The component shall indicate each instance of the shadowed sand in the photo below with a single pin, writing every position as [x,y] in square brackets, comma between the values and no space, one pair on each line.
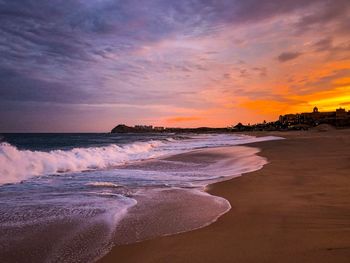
[295,209]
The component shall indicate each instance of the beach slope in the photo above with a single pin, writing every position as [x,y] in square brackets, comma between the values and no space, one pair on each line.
[295,209]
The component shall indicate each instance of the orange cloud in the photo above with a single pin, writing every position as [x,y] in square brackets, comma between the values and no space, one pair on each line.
[325,100]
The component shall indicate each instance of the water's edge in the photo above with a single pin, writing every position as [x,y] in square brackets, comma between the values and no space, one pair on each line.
[211,202]
[113,195]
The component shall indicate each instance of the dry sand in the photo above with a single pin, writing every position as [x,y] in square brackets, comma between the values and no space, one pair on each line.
[295,209]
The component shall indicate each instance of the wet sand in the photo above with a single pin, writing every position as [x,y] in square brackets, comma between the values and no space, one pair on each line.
[295,209]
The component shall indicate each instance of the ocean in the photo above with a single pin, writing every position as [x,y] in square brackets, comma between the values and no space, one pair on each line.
[72,197]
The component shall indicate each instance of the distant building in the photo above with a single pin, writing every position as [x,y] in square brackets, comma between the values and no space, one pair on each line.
[340,117]
[159,128]
[144,127]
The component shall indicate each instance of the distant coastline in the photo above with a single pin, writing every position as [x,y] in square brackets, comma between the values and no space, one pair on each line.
[340,118]
[122,128]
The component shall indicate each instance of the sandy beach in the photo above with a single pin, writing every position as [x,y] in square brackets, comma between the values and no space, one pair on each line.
[295,209]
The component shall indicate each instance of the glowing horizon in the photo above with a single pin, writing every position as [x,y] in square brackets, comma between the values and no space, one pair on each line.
[90,65]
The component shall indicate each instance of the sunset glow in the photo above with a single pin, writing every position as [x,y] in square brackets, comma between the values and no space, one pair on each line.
[89,65]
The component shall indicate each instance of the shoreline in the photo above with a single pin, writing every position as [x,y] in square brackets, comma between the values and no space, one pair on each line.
[186,207]
[290,210]
[141,200]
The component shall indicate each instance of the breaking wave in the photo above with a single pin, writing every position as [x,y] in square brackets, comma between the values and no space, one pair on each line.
[17,165]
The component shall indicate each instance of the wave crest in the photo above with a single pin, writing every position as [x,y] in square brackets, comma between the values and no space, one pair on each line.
[17,165]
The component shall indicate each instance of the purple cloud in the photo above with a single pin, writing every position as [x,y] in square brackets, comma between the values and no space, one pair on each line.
[76,52]
[286,56]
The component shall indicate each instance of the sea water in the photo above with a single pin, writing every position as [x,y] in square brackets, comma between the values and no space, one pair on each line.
[71,197]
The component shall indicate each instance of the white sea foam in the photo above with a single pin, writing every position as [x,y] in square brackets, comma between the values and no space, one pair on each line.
[17,165]
[101,199]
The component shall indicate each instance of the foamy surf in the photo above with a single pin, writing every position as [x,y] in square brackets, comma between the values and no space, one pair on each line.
[18,165]
[147,191]
[184,205]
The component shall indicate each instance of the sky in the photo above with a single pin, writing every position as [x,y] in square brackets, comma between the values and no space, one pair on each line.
[88,65]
